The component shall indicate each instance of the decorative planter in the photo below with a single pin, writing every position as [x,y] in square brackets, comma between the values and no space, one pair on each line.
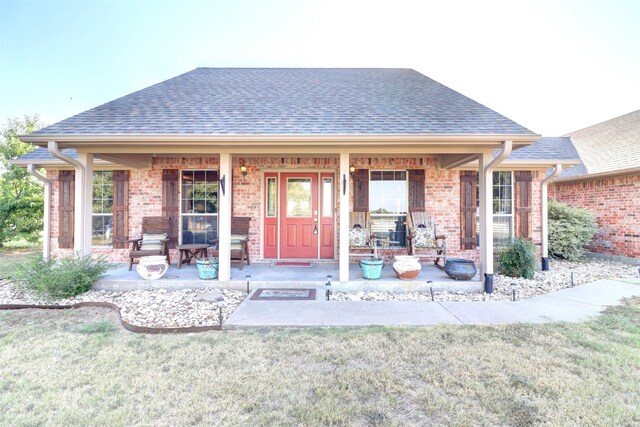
[152,267]
[207,268]
[407,267]
[460,269]
[371,268]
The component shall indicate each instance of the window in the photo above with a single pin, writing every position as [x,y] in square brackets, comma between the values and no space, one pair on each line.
[502,207]
[388,205]
[199,206]
[102,209]
[272,197]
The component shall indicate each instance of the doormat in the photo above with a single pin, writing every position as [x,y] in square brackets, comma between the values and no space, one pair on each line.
[292,264]
[284,295]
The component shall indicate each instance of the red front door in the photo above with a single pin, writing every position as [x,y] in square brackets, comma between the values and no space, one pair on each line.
[299,215]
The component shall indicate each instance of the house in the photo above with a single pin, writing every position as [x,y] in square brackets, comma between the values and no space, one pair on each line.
[296,150]
[607,183]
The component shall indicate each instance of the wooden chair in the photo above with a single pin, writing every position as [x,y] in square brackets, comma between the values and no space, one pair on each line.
[154,240]
[361,245]
[239,240]
[424,241]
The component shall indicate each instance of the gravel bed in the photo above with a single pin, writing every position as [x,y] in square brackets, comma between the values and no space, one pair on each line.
[157,308]
[559,277]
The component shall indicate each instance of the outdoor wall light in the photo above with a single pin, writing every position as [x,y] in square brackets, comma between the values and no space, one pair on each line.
[243,169]
[352,170]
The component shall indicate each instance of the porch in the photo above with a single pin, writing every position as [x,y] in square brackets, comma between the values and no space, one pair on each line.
[266,274]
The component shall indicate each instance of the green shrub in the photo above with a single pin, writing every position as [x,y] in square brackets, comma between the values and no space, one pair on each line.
[518,259]
[61,278]
[570,229]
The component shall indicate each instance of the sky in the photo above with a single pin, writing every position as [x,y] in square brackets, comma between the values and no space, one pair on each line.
[552,66]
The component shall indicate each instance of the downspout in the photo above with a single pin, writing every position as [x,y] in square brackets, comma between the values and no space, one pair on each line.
[52,146]
[486,215]
[507,146]
[544,207]
[46,230]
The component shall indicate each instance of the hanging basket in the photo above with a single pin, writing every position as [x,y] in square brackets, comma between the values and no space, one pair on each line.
[207,268]
[371,268]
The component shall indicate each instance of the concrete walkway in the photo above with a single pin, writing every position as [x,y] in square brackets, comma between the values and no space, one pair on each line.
[572,304]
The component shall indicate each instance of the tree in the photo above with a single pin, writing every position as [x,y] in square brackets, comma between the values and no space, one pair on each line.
[21,196]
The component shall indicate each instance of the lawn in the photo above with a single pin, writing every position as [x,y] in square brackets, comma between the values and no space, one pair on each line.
[14,252]
[78,367]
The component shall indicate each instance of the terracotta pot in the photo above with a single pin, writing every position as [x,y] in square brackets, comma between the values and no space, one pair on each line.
[407,267]
[152,267]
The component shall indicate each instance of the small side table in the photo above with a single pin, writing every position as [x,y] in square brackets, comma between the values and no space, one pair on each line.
[387,253]
[188,252]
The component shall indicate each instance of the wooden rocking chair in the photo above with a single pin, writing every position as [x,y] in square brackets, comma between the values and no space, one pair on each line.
[361,245]
[154,240]
[239,240]
[424,241]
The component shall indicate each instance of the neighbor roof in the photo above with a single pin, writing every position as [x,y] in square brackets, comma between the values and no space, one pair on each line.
[607,148]
[291,101]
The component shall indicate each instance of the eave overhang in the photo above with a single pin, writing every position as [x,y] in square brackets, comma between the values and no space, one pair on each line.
[525,164]
[608,174]
[283,139]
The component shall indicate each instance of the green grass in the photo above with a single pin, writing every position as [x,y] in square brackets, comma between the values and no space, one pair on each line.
[14,253]
[101,327]
[70,368]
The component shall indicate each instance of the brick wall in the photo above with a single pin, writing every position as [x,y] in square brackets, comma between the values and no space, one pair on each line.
[442,195]
[616,203]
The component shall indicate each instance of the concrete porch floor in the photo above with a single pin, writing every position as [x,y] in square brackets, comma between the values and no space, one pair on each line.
[266,274]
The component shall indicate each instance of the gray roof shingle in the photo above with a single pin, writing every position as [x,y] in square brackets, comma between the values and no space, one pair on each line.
[281,101]
[42,154]
[546,148]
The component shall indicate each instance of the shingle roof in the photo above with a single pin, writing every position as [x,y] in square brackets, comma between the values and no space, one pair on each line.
[274,101]
[546,148]
[607,147]
[42,154]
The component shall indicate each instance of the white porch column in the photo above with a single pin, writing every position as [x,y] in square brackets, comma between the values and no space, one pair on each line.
[224,218]
[485,182]
[46,231]
[83,205]
[485,225]
[544,207]
[343,177]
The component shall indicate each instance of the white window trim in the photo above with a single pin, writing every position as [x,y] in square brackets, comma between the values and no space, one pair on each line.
[493,215]
[394,215]
[101,214]
[181,199]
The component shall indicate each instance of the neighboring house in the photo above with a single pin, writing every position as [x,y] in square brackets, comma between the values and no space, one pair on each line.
[607,183]
[176,149]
